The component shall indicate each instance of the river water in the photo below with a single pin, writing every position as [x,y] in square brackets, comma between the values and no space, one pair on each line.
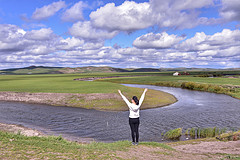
[193,109]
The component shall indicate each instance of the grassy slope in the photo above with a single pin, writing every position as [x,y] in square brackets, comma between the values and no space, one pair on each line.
[17,146]
[21,147]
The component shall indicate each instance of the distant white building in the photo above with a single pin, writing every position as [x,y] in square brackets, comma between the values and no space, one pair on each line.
[176,74]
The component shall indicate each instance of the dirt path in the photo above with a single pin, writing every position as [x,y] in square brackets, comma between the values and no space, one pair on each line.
[198,151]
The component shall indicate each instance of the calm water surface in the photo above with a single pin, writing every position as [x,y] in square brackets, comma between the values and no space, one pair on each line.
[193,109]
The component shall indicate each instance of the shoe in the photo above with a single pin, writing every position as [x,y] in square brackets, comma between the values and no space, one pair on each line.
[136,143]
[133,143]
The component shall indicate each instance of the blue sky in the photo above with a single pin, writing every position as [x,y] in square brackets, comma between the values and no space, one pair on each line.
[125,34]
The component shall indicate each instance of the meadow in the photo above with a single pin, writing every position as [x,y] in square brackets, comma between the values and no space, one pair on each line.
[65,83]
[224,85]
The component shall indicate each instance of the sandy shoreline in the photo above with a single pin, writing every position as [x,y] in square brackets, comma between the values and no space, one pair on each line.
[18,129]
[12,128]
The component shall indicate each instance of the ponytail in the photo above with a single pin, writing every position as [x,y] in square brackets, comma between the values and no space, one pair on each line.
[136,100]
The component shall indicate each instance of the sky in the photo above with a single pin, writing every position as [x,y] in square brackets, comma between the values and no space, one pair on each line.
[122,34]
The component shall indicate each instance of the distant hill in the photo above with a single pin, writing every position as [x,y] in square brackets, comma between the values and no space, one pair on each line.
[145,70]
[32,70]
[105,69]
[91,69]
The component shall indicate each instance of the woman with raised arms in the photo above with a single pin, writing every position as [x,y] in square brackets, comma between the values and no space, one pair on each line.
[134,108]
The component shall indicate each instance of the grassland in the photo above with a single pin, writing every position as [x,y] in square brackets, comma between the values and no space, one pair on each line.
[229,86]
[64,83]
[79,91]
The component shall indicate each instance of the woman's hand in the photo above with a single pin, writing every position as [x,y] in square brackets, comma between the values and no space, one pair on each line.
[145,90]
[119,91]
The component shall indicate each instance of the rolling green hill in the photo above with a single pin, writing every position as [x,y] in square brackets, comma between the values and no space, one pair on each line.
[106,69]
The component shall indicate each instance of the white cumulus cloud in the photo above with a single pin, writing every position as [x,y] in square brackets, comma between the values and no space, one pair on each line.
[129,16]
[42,34]
[74,13]
[230,10]
[48,10]
[158,41]
[86,31]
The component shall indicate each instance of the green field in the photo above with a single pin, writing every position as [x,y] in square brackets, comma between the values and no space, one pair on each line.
[225,85]
[59,83]
[64,83]
[157,79]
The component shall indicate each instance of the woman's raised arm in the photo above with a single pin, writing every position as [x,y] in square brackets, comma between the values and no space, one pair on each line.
[124,98]
[142,97]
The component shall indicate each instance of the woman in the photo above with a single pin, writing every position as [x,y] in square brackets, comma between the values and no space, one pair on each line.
[134,108]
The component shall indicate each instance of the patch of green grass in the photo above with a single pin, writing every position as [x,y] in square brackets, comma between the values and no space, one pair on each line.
[232,157]
[15,146]
[173,134]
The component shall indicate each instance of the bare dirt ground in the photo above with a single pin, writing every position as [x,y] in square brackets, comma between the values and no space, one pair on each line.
[19,129]
[52,98]
[195,151]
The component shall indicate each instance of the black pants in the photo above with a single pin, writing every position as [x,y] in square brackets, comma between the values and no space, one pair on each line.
[134,124]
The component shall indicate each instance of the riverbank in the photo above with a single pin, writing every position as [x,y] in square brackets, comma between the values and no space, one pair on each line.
[19,146]
[228,86]
[98,101]
[17,129]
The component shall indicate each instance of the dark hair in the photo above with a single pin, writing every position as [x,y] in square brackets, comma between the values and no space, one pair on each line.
[136,100]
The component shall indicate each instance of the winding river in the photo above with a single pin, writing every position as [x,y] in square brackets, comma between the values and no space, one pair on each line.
[193,109]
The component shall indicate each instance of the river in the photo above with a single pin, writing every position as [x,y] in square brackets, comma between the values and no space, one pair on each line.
[193,109]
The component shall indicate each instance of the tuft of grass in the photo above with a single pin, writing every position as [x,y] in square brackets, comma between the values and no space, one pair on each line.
[187,131]
[232,157]
[192,132]
[173,134]
[230,136]
[204,132]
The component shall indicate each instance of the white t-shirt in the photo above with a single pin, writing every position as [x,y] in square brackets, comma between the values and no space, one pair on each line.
[133,108]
